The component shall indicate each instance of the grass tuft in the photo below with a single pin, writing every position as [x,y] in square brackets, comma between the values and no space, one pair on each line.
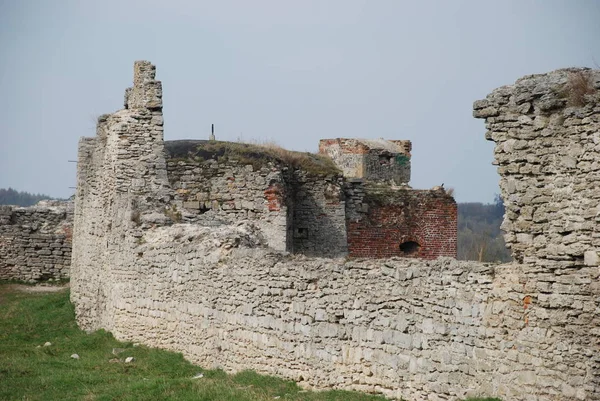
[579,85]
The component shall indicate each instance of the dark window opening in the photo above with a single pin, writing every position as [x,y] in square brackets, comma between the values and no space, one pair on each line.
[410,247]
[301,232]
[385,160]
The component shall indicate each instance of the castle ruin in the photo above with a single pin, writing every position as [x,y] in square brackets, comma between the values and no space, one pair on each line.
[181,245]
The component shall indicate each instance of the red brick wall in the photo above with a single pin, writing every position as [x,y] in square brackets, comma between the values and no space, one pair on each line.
[426,217]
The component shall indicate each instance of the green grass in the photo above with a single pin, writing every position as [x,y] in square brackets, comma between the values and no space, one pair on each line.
[29,372]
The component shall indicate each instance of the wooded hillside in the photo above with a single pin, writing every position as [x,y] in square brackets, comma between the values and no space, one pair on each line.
[13,197]
[479,234]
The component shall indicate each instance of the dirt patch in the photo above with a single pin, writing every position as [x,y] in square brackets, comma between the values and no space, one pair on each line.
[40,288]
[30,289]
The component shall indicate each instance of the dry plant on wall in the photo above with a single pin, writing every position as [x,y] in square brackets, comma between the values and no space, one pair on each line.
[579,85]
[450,192]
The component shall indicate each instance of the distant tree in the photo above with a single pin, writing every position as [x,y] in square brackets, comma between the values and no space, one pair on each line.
[479,234]
[13,197]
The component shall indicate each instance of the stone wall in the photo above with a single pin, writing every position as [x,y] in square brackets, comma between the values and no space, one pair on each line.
[408,328]
[547,133]
[385,222]
[422,330]
[372,159]
[547,149]
[232,190]
[35,242]
[319,215]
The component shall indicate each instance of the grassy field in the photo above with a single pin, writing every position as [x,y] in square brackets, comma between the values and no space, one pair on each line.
[31,371]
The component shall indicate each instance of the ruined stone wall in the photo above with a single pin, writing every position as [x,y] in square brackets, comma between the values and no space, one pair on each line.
[385,222]
[421,330]
[547,150]
[233,191]
[547,133]
[408,328]
[319,215]
[35,242]
[372,159]
[122,189]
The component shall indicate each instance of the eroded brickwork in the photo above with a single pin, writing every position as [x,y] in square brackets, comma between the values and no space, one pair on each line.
[385,222]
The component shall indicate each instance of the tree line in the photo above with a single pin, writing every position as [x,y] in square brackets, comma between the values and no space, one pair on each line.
[13,197]
[479,234]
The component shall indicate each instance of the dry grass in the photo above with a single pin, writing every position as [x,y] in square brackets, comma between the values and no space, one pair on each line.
[258,154]
[579,85]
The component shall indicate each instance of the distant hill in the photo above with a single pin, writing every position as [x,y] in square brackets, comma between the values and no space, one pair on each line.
[479,234]
[13,197]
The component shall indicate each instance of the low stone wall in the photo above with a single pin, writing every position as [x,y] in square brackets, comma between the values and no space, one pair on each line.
[35,242]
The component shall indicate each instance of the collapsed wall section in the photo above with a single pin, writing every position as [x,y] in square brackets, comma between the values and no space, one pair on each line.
[35,242]
[230,189]
[385,222]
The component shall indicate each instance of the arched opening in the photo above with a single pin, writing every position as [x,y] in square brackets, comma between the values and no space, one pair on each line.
[410,248]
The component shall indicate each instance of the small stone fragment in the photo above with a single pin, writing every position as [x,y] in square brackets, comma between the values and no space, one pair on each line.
[47,344]
[198,376]
[129,359]
[75,356]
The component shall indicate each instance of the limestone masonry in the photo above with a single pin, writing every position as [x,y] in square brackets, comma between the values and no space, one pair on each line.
[227,254]
[35,242]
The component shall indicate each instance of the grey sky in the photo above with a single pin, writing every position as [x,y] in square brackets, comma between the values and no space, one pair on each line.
[288,71]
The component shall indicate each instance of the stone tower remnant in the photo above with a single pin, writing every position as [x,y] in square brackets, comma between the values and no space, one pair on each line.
[371,159]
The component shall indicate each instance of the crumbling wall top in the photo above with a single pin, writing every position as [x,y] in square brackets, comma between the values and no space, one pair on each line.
[146,91]
[547,129]
[358,145]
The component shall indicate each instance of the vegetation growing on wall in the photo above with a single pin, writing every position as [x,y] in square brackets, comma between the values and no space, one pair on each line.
[579,85]
[402,160]
[256,155]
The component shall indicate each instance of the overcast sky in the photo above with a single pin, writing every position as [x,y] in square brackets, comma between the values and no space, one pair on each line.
[285,71]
